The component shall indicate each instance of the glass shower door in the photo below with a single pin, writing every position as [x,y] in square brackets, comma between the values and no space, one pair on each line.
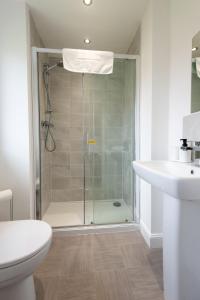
[109,104]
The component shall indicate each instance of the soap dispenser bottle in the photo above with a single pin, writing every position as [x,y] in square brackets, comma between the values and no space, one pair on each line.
[185,152]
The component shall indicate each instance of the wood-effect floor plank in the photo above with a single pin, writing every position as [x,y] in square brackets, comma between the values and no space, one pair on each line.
[110,266]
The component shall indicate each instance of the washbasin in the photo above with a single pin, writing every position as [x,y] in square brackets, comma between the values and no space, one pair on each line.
[179,180]
[181,222]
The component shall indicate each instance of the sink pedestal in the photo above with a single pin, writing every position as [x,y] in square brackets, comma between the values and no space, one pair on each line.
[181,249]
[181,226]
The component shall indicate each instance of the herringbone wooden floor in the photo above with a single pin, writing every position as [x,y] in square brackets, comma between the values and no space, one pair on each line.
[110,266]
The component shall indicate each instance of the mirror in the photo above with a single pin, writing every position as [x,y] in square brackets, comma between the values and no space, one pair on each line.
[195,86]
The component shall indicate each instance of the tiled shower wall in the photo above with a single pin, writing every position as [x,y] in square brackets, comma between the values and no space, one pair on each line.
[68,116]
[100,107]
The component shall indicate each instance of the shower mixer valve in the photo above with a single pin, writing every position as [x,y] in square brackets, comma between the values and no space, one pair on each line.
[46,124]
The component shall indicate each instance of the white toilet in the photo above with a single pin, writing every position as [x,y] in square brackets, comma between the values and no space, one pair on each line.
[23,246]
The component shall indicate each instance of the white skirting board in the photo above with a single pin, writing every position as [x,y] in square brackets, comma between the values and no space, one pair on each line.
[153,240]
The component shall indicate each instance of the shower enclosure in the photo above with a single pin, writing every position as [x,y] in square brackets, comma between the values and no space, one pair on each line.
[85,141]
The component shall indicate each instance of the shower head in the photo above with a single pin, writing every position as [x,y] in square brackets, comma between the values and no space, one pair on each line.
[48,68]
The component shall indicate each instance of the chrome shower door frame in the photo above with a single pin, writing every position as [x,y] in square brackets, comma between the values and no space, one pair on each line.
[36,130]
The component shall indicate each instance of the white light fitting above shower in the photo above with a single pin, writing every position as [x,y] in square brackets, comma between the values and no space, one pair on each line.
[87,2]
[194,49]
[87,41]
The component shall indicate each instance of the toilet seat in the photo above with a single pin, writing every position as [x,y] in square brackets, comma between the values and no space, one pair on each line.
[22,240]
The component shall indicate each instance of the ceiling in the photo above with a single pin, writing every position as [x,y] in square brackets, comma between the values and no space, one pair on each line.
[110,24]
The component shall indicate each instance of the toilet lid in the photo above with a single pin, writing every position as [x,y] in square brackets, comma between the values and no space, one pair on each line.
[20,240]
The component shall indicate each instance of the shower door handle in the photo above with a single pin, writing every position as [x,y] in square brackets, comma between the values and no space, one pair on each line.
[91,141]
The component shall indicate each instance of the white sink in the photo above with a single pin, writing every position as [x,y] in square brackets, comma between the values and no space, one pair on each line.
[179,180]
[181,224]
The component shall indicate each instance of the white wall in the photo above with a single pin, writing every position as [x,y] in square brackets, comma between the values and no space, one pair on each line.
[146,113]
[184,24]
[135,46]
[15,172]
[33,40]
[154,110]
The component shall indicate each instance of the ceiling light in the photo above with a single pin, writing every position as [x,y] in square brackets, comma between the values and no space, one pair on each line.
[87,41]
[87,2]
[195,49]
